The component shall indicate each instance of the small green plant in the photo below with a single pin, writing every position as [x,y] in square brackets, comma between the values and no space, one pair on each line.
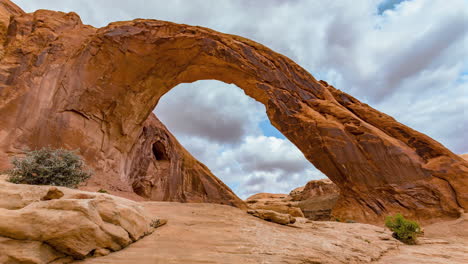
[58,167]
[102,191]
[404,230]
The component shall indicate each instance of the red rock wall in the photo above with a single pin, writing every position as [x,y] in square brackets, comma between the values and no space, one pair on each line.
[63,83]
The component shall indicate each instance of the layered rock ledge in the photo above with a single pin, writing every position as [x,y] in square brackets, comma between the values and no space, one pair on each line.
[43,224]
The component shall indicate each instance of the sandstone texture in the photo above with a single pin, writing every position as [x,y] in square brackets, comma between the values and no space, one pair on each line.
[272,216]
[212,233]
[280,203]
[43,224]
[317,199]
[314,201]
[314,189]
[66,84]
[161,169]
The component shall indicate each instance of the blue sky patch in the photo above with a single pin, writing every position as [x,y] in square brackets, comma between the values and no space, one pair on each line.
[269,130]
[388,4]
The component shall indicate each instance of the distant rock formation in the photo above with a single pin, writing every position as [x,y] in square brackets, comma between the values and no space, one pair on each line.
[314,189]
[314,201]
[281,203]
[65,84]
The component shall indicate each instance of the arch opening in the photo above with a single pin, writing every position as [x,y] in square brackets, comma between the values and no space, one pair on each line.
[230,133]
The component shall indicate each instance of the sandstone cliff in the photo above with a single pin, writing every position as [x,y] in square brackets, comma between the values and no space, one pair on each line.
[66,84]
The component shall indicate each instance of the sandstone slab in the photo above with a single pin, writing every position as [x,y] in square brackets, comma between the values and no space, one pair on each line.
[272,216]
[75,224]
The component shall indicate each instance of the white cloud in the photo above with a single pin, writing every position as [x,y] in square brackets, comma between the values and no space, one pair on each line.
[211,110]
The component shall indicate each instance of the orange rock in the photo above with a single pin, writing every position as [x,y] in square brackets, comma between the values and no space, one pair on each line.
[316,199]
[66,84]
[314,189]
[277,202]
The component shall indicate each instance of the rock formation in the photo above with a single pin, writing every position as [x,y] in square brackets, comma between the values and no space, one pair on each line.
[314,189]
[66,84]
[314,201]
[161,169]
[273,216]
[281,203]
[42,224]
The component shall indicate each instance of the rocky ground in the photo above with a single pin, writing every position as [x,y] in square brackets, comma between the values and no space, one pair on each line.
[45,224]
[210,233]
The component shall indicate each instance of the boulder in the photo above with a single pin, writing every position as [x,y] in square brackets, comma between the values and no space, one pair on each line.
[314,201]
[41,224]
[280,203]
[272,216]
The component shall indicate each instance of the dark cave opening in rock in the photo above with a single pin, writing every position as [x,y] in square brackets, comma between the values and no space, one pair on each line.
[159,151]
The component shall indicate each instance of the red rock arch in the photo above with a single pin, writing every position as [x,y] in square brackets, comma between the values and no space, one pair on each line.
[102,85]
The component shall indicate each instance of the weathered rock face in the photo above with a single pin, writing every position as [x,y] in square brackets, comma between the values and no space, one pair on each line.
[42,224]
[316,199]
[161,169]
[281,203]
[273,216]
[314,189]
[66,84]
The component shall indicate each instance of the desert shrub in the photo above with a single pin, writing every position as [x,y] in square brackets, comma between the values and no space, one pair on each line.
[102,191]
[48,166]
[404,230]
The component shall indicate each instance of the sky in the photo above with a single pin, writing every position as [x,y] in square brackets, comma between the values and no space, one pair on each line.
[407,58]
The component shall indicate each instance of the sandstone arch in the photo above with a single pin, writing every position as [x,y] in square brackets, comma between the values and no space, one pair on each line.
[69,84]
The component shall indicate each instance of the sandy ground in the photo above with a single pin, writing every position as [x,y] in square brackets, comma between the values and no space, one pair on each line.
[210,233]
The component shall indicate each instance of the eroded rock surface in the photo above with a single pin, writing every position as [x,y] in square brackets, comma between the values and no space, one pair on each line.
[38,227]
[66,84]
[212,233]
[280,203]
[314,201]
[272,216]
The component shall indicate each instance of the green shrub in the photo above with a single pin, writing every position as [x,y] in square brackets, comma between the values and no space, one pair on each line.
[102,191]
[404,230]
[48,166]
